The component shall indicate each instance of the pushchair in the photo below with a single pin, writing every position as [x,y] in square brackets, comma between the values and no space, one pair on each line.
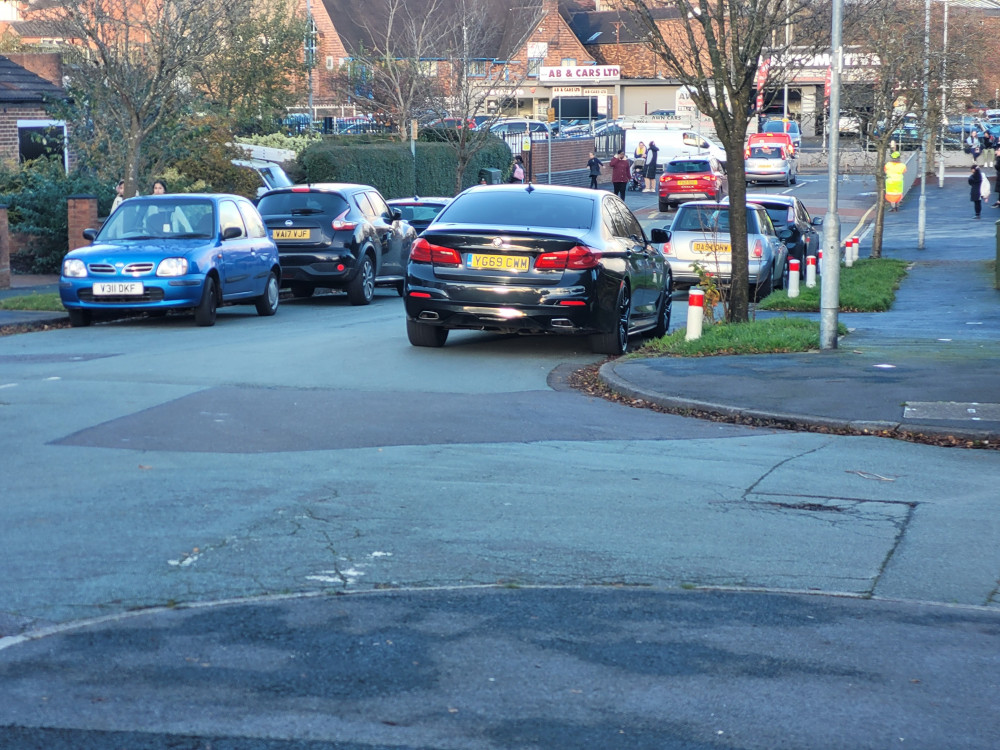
[638,182]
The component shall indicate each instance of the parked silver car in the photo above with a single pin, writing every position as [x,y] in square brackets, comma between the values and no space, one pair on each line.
[770,163]
[699,234]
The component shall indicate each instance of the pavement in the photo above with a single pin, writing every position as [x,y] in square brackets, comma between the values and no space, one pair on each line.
[928,366]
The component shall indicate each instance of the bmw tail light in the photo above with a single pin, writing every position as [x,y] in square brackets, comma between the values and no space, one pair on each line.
[423,251]
[579,258]
[758,250]
[340,224]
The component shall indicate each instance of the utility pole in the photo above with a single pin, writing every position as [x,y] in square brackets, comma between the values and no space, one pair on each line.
[310,55]
[829,296]
[944,99]
[922,159]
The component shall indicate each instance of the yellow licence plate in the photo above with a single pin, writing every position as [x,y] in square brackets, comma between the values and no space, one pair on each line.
[498,262]
[290,234]
[710,247]
[687,182]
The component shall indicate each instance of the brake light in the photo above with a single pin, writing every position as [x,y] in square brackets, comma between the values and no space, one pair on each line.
[339,224]
[758,250]
[579,258]
[666,248]
[423,251]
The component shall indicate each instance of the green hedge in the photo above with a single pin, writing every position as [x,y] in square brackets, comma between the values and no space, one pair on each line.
[389,166]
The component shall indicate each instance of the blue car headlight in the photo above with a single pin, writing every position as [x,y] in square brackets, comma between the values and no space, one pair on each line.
[74,268]
[172,267]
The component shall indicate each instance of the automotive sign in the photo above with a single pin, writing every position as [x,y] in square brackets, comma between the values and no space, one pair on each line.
[580,74]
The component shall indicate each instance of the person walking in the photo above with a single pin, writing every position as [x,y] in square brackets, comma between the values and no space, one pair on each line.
[976,189]
[620,172]
[119,195]
[517,173]
[595,165]
[973,146]
[651,153]
[894,172]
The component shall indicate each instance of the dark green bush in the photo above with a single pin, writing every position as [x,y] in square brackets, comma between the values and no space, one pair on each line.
[389,166]
[35,195]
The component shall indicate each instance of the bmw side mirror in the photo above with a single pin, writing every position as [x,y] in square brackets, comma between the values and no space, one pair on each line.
[785,234]
[395,214]
[817,221]
[659,236]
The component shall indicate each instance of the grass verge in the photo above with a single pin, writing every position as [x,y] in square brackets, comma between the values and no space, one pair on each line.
[33,301]
[771,336]
[868,286]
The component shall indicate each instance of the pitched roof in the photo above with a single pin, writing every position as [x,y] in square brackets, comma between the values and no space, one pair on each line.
[360,23]
[20,85]
[612,26]
[43,29]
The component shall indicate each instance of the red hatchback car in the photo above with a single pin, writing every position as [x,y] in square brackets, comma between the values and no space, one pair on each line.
[689,178]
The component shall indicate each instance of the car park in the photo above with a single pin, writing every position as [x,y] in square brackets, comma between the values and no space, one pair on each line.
[338,236]
[770,163]
[173,252]
[691,178]
[418,212]
[700,235]
[789,213]
[537,259]
[790,127]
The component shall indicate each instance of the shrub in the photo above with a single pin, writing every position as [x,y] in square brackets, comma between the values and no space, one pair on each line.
[35,195]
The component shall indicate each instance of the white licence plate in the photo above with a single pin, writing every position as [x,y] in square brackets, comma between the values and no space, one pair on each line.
[118,288]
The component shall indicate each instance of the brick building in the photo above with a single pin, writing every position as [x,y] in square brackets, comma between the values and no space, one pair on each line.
[28,83]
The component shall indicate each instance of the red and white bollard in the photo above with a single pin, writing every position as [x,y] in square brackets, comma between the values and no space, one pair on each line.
[696,313]
[819,262]
[793,277]
[848,252]
[811,271]
[854,248]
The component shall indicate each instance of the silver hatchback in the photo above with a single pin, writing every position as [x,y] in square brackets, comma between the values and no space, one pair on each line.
[770,163]
[700,235]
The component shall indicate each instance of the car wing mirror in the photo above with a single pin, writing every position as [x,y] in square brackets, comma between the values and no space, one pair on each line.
[231,233]
[785,234]
[817,221]
[395,214]
[89,234]
[659,236]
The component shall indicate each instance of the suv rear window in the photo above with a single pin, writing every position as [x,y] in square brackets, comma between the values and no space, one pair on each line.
[688,166]
[520,208]
[302,204]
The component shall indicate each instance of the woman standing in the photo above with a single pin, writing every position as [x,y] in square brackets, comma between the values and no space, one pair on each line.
[976,189]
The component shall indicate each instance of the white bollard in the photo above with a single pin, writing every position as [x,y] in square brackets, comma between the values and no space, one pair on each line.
[819,262]
[811,271]
[854,248]
[793,277]
[696,313]
[848,249]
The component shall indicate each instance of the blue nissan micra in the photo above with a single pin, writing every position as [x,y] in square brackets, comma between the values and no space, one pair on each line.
[170,252]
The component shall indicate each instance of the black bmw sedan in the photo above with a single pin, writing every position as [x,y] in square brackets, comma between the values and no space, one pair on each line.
[537,259]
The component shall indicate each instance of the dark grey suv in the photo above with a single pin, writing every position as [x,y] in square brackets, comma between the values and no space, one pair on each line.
[337,236]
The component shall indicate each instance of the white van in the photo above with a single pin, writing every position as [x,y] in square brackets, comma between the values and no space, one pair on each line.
[271,175]
[672,143]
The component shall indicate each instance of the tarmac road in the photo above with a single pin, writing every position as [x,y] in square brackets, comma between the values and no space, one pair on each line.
[299,532]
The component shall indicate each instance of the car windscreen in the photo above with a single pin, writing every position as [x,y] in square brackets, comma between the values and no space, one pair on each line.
[520,208]
[417,213]
[708,219]
[765,152]
[159,219]
[687,166]
[302,204]
[773,126]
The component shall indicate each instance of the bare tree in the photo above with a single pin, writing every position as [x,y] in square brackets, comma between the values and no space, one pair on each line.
[134,71]
[393,73]
[716,48]
[479,42]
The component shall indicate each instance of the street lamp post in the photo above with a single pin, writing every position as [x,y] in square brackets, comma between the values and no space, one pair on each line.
[944,100]
[922,159]
[830,287]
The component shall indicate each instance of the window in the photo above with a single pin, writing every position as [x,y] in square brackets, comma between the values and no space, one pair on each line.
[255,227]
[478,68]
[537,51]
[230,217]
[38,138]
[568,62]
[331,63]
[428,68]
